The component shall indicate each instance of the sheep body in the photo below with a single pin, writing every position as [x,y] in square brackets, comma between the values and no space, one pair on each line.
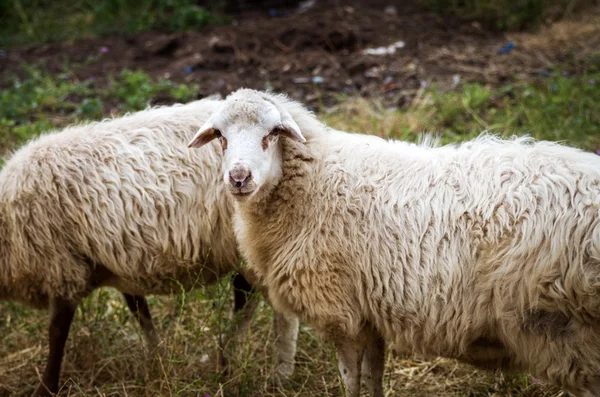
[114,194]
[488,251]
[119,203]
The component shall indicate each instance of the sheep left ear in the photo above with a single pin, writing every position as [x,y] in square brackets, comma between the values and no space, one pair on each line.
[289,127]
[205,134]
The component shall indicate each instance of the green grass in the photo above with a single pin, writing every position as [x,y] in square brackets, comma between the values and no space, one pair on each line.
[507,14]
[38,101]
[39,21]
[560,107]
[106,353]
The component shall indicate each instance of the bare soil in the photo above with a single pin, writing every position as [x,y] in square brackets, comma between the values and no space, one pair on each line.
[319,54]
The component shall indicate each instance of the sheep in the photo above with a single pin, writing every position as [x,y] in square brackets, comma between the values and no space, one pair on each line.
[108,204]
[486,251]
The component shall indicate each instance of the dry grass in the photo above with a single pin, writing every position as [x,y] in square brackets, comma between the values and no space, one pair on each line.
[106,356]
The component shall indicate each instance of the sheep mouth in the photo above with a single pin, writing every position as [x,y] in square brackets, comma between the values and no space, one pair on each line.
[239,194]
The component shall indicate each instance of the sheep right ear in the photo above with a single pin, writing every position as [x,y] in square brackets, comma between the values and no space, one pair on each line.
[204,135]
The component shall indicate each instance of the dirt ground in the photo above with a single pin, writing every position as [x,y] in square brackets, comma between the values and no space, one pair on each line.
[318,54]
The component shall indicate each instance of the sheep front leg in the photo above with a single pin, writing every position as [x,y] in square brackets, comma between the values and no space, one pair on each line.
[138,305]
[373,363]
[286,334]
[349,355]
[61,316]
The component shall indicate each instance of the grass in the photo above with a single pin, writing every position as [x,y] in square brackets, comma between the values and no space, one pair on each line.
[560,107]
[106,354]
[39,102]
[40,21]
[508,14]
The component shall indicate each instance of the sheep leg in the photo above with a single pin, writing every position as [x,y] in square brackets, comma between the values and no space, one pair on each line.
[61,316]
[373,363]
[349,355]
[286,334]
[244,305]
[139,307]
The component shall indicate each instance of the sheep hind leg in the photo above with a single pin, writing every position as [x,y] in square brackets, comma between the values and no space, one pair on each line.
[244,305]
[373,363]
[349,355]
[138,305]
[61,316]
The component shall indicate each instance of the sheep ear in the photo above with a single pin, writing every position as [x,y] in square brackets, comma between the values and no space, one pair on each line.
[204,135]
[289,127]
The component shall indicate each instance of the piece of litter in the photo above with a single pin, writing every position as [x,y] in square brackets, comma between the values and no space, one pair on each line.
[390,10]
[318,79]
[507,48]
[455,80]
[300,80]
[391,49]
[305,6]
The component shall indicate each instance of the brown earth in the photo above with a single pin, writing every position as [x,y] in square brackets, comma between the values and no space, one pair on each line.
[318,54]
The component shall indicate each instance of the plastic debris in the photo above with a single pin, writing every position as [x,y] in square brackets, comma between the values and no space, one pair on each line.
[391,49]
[318,80]
[279,13]
[305,6]
[507,48]
[544,73]
[455,80]
[390,10]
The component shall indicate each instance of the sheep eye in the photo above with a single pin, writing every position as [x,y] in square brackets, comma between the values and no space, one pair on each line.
[275,131]
[217,133]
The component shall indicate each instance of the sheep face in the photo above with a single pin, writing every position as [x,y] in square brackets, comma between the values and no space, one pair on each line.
[248,125]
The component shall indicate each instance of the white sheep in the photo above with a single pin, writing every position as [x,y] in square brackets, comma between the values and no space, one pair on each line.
[488,251]
[119,203]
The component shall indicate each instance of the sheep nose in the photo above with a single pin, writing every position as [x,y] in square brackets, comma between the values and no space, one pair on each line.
[239,177]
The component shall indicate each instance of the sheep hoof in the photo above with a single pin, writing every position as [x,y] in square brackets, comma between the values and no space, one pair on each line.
[42,391]
[284,371]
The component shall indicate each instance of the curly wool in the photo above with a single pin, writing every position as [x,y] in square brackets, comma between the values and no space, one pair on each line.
[488,251]
[121,202]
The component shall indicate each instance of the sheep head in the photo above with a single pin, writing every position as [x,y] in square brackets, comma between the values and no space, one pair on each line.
[249,124]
